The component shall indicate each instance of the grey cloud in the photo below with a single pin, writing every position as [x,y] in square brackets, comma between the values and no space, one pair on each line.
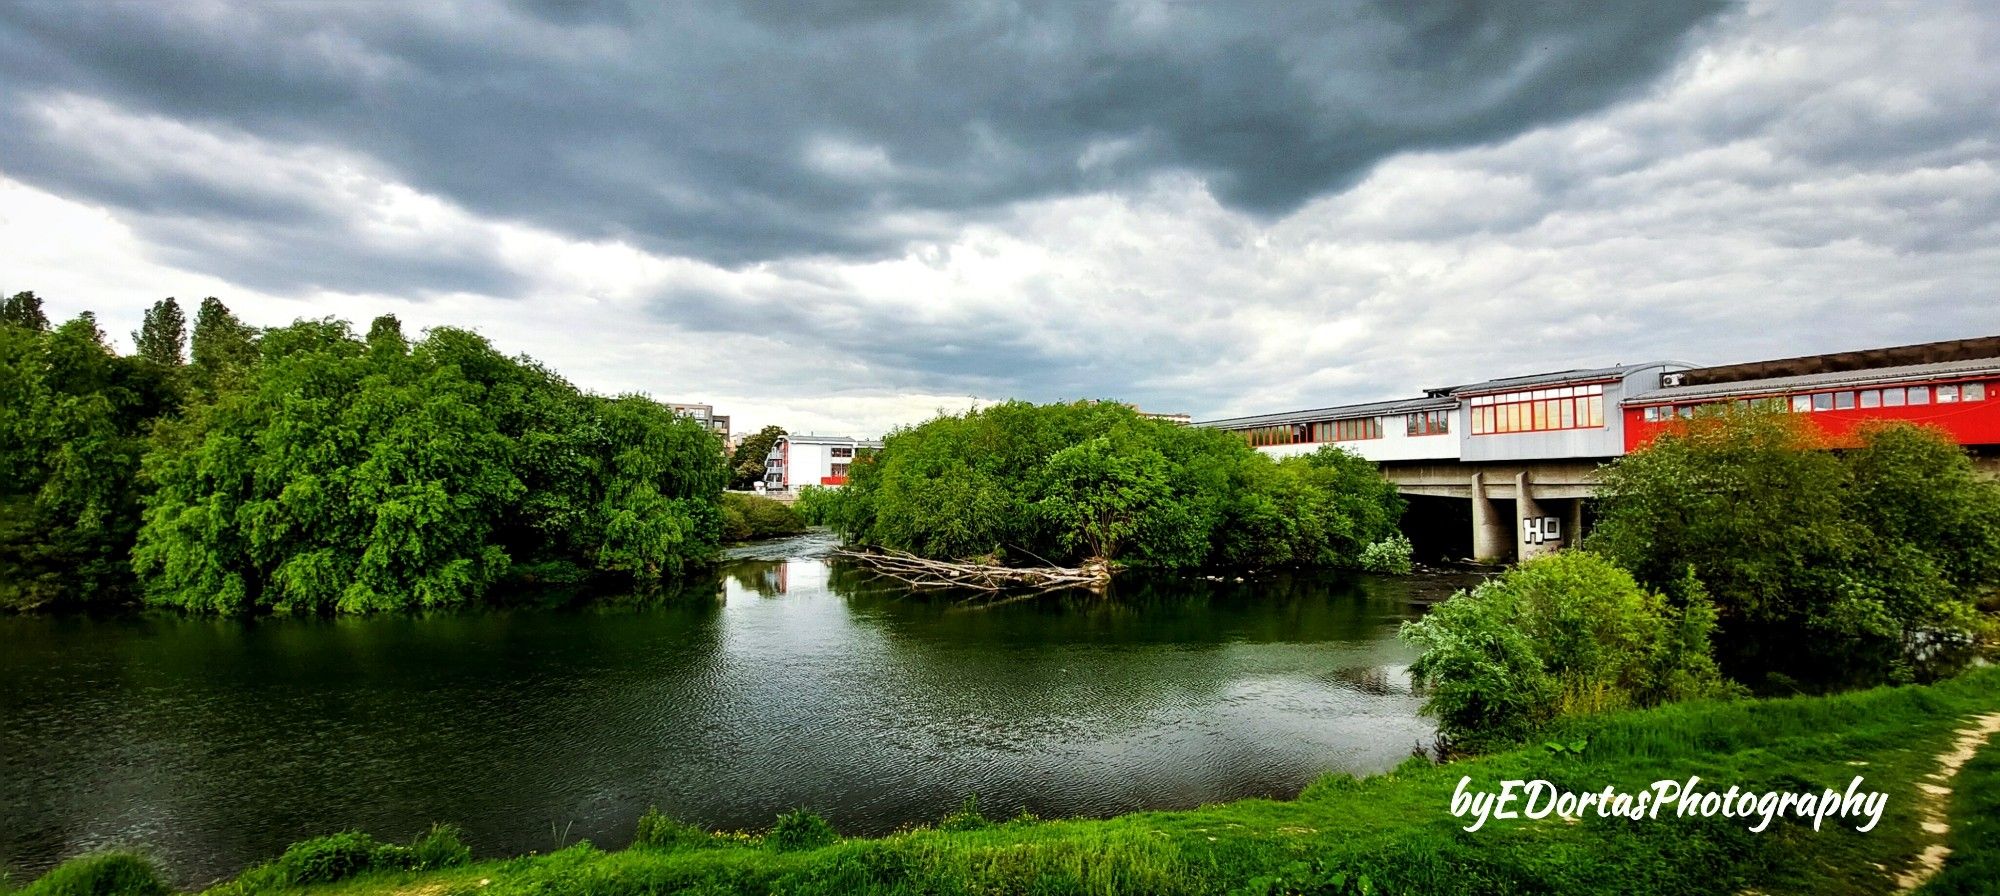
[745,132]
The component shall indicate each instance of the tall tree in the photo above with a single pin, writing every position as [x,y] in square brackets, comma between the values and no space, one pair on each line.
[162,337]
[24,309]
[746,464]
[386,333]
[223,347]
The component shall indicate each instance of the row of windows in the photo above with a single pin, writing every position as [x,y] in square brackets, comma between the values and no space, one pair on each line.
[1536,395]
[1539,415]
[1900,396]
[1428,423]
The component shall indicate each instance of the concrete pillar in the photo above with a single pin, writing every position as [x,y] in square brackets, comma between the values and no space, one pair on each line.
[1573,526]
[1489,531]
[1527,509]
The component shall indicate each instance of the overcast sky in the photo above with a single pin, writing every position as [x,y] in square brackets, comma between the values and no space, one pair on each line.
[844,216]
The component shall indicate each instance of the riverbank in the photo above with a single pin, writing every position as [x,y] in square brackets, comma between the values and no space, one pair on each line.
[1395,832]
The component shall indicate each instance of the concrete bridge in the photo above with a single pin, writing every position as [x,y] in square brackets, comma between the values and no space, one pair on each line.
[1505,469]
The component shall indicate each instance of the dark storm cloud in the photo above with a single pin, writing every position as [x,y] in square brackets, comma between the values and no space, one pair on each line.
[741,132]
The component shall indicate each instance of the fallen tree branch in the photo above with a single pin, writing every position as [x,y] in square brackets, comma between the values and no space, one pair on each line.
[927,574]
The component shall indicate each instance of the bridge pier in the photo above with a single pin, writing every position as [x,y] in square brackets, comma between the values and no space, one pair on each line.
[1489,527]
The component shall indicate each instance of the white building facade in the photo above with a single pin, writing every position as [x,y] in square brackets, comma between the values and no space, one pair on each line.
[796,461]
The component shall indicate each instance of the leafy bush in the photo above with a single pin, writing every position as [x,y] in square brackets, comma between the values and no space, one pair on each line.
[801,829]
[1390,555]
[657,831]
[1840,568]
[966,817]
[334,857]
[1566,634]
[818,505]
[344,855]
[103,874]
[745,517]
[439,847]
[1072,482]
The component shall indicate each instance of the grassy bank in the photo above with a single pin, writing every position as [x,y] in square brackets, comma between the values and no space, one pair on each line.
[1387,834]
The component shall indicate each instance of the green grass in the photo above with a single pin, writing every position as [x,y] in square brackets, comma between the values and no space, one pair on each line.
[1390,834]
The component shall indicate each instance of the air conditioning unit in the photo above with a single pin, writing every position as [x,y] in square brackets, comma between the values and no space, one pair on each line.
[1670,380]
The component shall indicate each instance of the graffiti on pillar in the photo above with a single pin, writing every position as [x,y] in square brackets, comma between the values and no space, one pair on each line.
[1542,530]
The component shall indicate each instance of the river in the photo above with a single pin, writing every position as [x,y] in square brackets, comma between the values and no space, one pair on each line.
[214,743]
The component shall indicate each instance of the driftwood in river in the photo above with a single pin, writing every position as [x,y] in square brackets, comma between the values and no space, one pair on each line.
[925,573]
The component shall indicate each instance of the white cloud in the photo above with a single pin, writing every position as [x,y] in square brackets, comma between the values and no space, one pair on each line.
[1804,181]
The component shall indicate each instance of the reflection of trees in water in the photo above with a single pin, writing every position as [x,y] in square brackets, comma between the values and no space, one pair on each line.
[1281,607]
[1374,681]
[216,742]
[764,578]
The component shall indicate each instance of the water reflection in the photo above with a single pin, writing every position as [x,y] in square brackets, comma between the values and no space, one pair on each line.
[781,683]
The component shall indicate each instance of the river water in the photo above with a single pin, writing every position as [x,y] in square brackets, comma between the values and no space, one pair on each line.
[798,683]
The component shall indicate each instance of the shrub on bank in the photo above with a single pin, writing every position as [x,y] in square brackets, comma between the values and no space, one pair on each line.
[801,829]
[103,874]
[1566,634]
[747,517]
[1391,555]
[337,857]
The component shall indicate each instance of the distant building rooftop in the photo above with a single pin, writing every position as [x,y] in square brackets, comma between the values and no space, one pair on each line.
[1867,359]
[1811,381]
[1556,378]
[1341,412]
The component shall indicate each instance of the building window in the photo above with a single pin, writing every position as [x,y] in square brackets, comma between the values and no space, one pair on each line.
[1428,423]
[1569,407]
[1920,395]
[839,470]
[1974,391]
[1892,398]
[1871,398]
[1822,401]
[1843,401]
[1947,394]
[843,452]
[1357,429]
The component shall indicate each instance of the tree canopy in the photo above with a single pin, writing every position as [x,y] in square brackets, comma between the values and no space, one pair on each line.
[746,463]
[303,468]
[1070,482]
[1837,567]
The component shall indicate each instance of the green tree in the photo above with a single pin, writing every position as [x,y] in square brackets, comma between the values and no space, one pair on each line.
[1097,495]
[746,463]
[223,348]
[1068,482]
[162,336]
[69,454]
[24,310]
[350,475]
[1825,567]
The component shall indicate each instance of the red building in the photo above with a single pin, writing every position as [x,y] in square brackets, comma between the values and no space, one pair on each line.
[1955,393]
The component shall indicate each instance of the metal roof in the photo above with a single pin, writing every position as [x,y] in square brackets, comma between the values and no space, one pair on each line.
[1556,378]
[829,440]
[1340,412]
[1812,381]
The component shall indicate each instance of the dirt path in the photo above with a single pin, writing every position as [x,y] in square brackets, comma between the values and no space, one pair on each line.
[1936,795]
